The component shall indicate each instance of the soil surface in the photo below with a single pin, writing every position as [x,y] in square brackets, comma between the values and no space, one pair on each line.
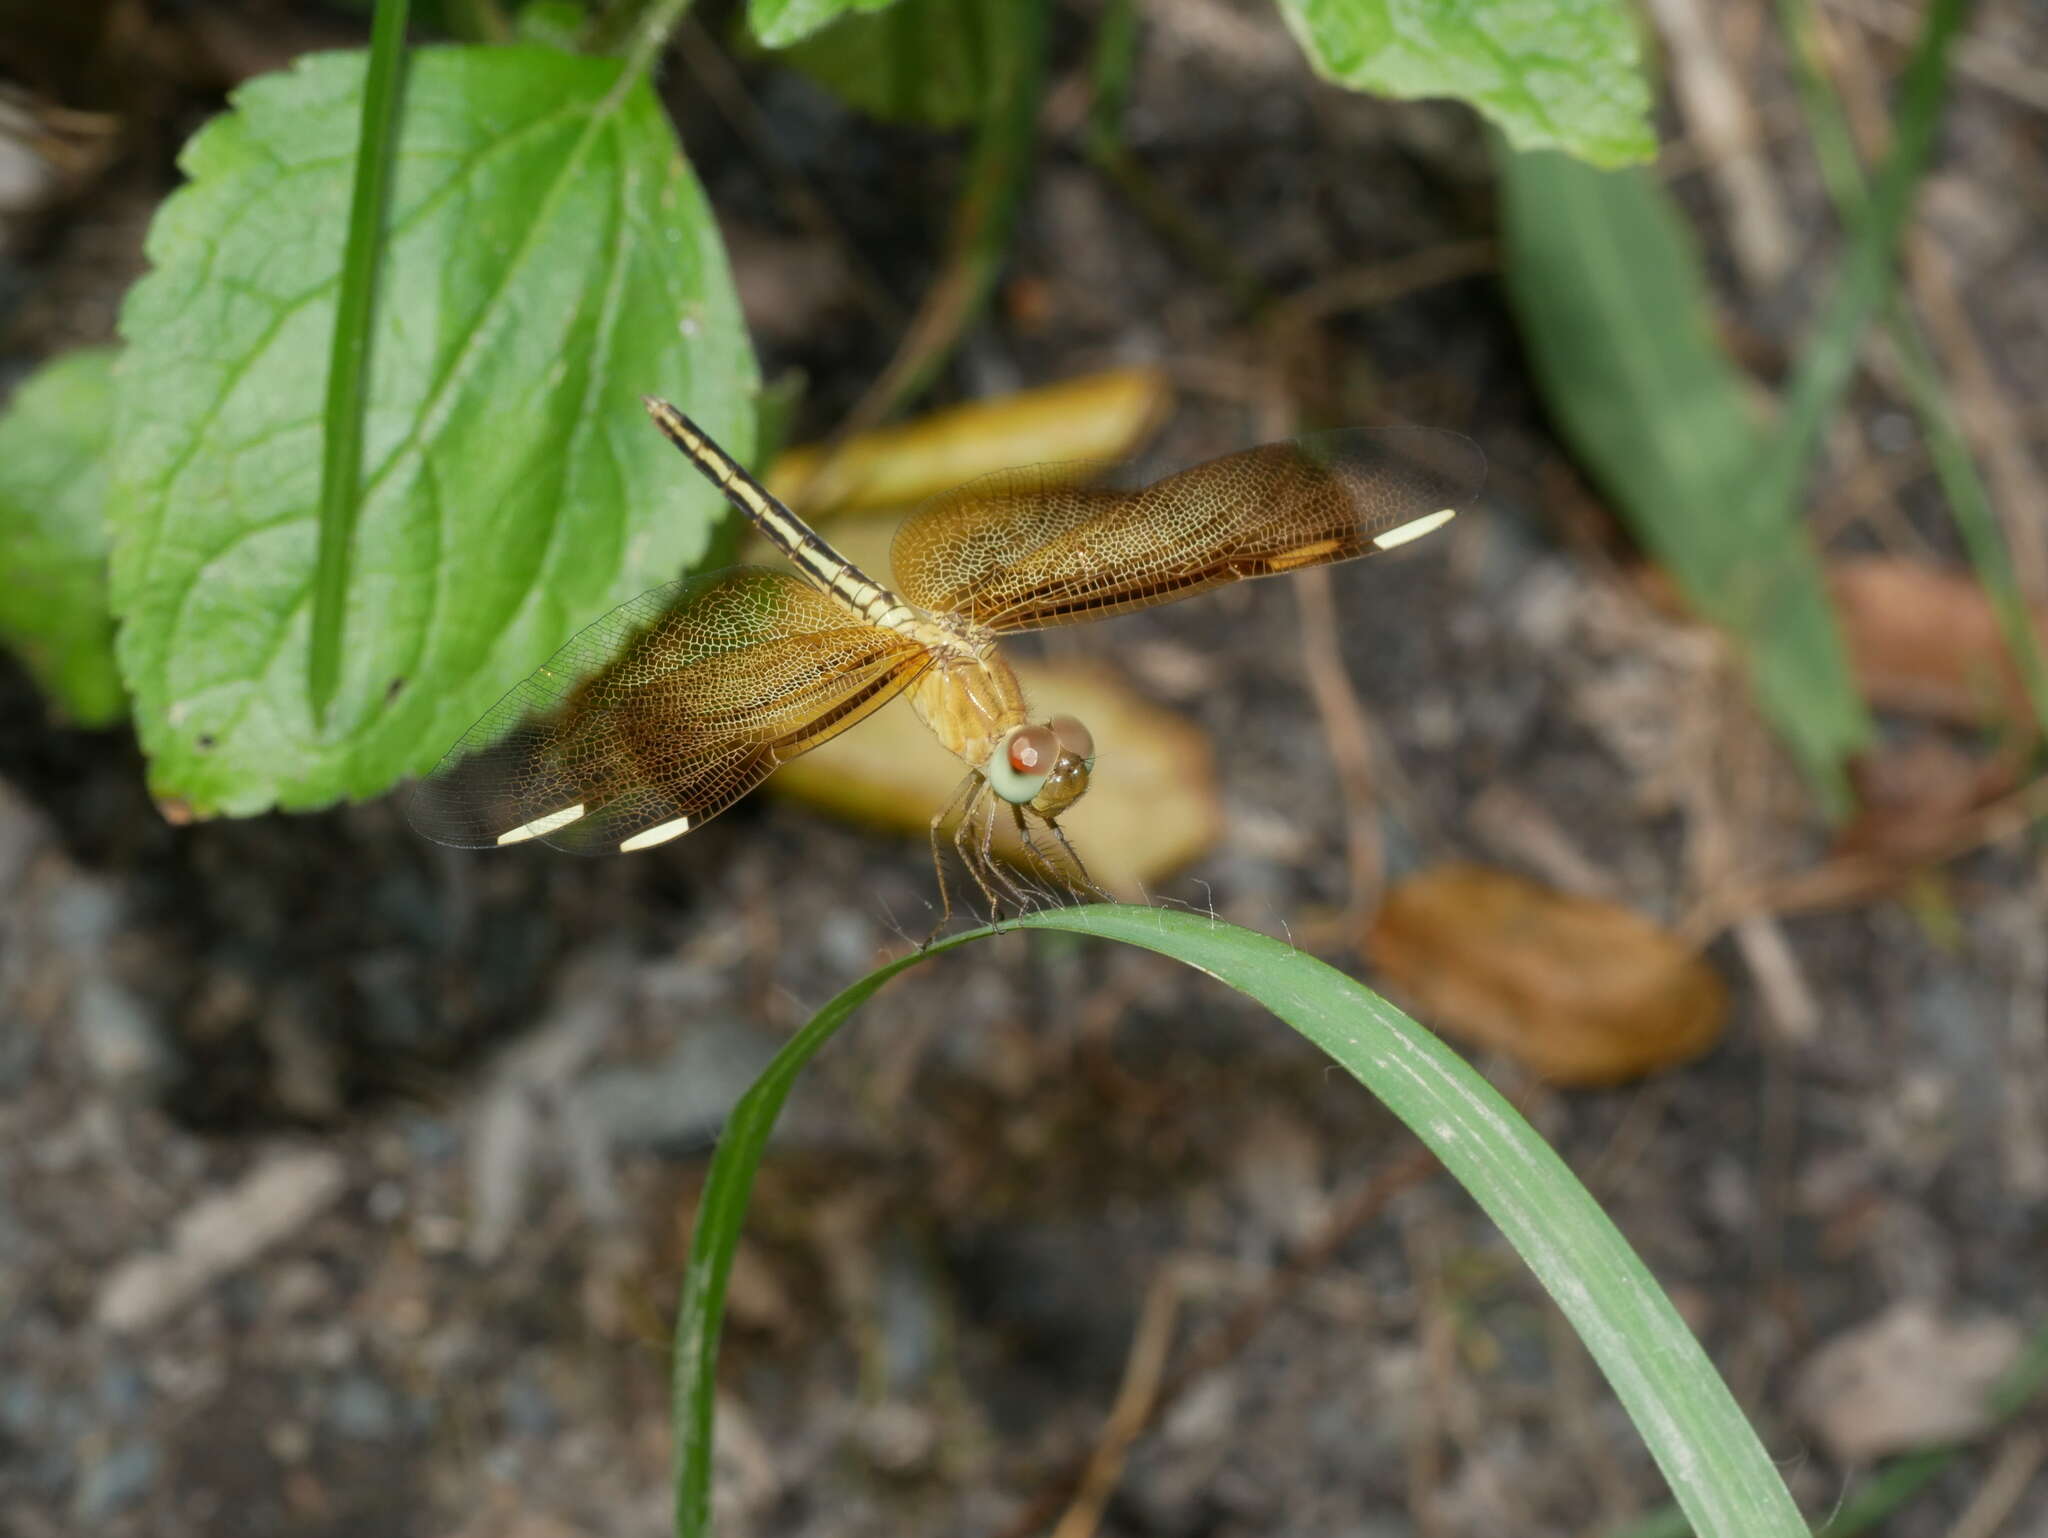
[345,1181]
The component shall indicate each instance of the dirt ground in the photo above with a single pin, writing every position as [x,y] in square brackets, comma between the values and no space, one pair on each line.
[344,1180]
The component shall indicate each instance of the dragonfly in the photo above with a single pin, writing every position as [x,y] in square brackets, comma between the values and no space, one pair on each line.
[666,711]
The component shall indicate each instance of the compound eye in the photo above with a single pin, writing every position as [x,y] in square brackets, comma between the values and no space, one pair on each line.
[1033,749]
[1018,767]
[1074,737]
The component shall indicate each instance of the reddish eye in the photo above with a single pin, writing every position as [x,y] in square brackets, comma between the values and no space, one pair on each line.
[1033,749]
[1074,737]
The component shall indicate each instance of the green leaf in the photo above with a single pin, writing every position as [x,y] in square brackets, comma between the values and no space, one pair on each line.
[920,61]
[1613,307]
[53,547]
[778,23]
[1554,74]
[551,23]
[1721,1475]
[549,260]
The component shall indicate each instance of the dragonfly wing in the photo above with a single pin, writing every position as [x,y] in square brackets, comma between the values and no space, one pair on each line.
[660,715]
[1020,550]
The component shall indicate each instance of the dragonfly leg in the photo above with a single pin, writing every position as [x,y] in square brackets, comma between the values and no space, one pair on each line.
[939,856]
[1021,894]
[1088,886]
[964,847]
[1042,860]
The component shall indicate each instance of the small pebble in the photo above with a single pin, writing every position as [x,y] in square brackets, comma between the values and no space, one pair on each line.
[361,1408]
[115,1482]
[123,1041]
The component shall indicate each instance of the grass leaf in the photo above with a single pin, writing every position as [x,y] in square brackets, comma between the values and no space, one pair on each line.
[549,259]
[1613,306]
[1721,1475]
[53,546]
[1948,451]
[348,365]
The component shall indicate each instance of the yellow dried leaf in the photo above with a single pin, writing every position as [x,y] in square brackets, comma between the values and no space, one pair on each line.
[1579,990]
[1094,418]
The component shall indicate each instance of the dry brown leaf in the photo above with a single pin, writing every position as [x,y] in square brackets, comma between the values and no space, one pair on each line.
[1925,642]
[1152,803]
[1094,418]
[1580,990]
[1913,796]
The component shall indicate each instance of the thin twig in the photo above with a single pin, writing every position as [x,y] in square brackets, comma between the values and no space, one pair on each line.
[2000,434]
[1128,1417]
[2019,1458]
[1850,879]
[1718,115]
[714,72]
[1348,734]
[1349,1214]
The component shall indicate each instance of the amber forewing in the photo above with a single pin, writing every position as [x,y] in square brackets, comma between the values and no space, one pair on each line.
[660,715]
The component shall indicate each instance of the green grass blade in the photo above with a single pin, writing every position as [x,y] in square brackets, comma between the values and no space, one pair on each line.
[1891,1486]
[1722,1477]
[348,366]
[1865,283]
[1613,305]
[1968,501]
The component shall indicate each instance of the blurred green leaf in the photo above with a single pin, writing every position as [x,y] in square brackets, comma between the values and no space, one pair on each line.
[1613,306]
[550,259]
[778,23]
[920,61]
[53,545]
[1554,74]
[551,23]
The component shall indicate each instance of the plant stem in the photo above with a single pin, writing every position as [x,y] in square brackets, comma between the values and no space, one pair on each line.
[983,216]
[650,31]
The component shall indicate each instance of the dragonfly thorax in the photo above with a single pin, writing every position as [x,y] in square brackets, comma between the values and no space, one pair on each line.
[969,696]
[971,700]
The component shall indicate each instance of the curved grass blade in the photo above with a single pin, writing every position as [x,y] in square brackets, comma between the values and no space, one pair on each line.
[1721,1475]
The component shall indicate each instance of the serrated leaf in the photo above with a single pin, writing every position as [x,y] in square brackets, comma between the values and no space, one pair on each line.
[919,61]
[53,546]
[1554,74]
[550,259]
[53,582]
[1613,305]
[778,23]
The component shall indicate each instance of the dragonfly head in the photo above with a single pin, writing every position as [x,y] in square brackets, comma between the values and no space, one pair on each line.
[1043,766]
